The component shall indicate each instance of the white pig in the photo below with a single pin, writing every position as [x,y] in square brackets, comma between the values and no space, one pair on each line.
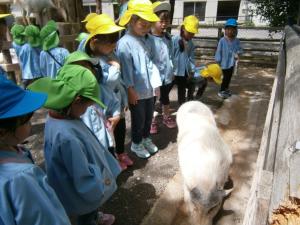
[204,161]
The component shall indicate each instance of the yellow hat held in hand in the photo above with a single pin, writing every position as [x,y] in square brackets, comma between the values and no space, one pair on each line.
[141,8]
[214,71]
[191,24]
[101,24]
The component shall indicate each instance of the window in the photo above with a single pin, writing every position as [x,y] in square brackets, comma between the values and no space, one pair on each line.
[228,9]
[195,8]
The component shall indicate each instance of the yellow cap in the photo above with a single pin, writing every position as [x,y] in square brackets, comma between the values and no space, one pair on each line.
[4,15]
[141,8]
[214,71]
[101,24]
[89,17]
[191,24]
[161,6]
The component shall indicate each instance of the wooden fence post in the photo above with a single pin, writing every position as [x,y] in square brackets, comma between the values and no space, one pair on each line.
[3,38]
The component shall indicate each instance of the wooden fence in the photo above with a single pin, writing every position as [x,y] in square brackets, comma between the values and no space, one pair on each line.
[277,170]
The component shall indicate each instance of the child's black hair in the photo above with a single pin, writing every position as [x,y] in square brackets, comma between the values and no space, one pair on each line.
[103,39]
[163,14]
[11,124]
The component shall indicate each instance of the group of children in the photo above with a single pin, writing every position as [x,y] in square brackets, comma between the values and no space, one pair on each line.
[87,93]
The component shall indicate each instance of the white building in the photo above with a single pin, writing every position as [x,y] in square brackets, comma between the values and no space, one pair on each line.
[208,11]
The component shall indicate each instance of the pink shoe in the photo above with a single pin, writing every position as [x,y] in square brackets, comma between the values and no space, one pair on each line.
[124,158]
[154,128]
[169,122]
[106,219]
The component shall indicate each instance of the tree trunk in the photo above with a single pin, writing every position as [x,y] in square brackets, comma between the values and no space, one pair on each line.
[98,6]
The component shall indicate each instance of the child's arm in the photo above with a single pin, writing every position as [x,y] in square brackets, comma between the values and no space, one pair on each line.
[127,70]
[33,201]
[218,55]
[192,57]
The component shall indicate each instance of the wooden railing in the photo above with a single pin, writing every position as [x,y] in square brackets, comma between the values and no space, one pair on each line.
[277,170]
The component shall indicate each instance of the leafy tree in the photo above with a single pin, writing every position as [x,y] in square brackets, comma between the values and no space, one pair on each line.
[278,12]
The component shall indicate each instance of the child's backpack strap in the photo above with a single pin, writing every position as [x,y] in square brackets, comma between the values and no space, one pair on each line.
[52,56]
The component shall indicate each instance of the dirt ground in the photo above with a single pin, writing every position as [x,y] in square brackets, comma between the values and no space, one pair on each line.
[240,120]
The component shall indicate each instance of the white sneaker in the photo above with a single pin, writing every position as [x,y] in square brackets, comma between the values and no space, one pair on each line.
[140,150]
[149,146]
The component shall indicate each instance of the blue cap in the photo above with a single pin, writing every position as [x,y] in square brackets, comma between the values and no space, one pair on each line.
[14,101]
[231,23]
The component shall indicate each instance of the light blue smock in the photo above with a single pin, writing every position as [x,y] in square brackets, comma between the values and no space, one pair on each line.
[48,65]
[163,58]
[17,49]
[25,195]
[114,81]
[81,45]
[226,51]
[80,170]
[183,61]
[136,59]
[95,117]
[30,58]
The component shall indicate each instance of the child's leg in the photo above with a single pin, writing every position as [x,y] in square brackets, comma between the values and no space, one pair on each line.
[149,109]
[88,219]
[138,120]
[119,134]
[154,127]
[227,74]
[202,86]
[147,142]
[181,86]
[191,89]
[165,101]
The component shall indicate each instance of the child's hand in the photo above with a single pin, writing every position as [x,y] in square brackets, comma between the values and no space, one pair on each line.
[114,63]
[113,121]
[132,96]
[236,57]
[157,92]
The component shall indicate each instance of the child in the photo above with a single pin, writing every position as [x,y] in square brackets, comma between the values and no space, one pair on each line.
[101,42]
[26,197]
[163,60]
[52,57]
[135,52]
[84,37]
[17,32]
[79,168]
[227,53]
[184,58]
[81,37]
[30,55]
[203,74]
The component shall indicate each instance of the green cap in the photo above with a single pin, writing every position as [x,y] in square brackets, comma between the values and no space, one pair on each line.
[33,35]
[77,56]
[49,36]
[81,36]
[72,81]
[17,32]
